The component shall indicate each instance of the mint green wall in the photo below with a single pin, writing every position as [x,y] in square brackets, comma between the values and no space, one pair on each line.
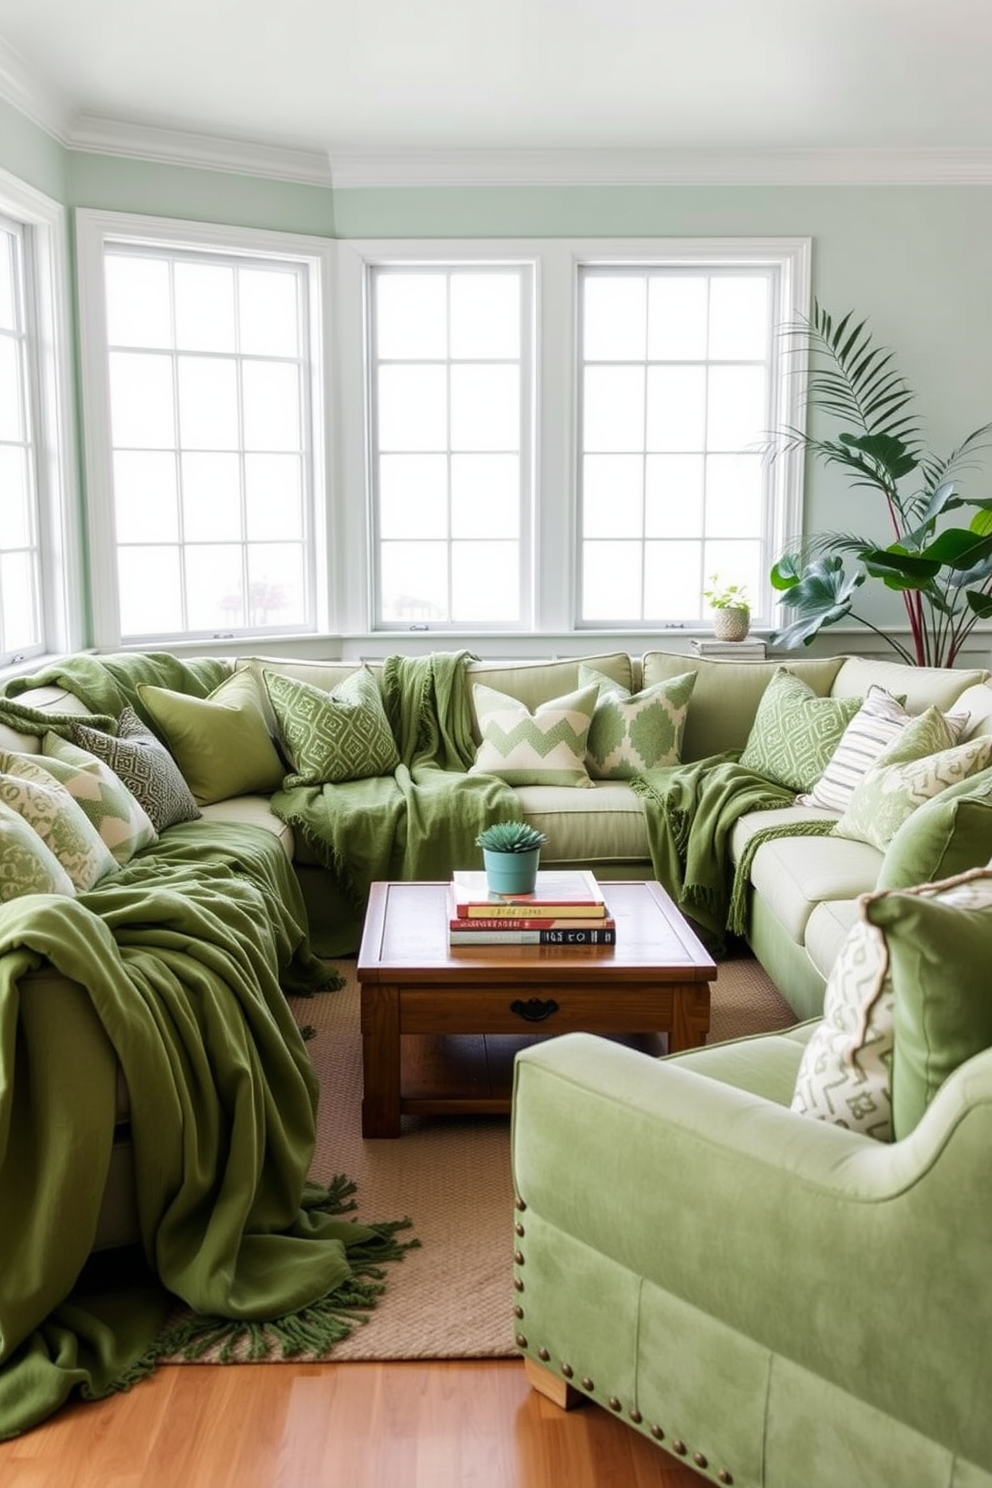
[30,153]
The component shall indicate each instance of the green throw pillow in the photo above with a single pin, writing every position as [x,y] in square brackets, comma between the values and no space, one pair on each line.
[795,732]
[629,732]
[546,747]
[121,821]
[221,743]
[334,736]
[47,806]
[27,866]
[942,838]
[914,769]
[939,939]
[145,766]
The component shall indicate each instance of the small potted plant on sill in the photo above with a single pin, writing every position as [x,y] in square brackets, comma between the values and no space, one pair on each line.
[511,852]
[731,609]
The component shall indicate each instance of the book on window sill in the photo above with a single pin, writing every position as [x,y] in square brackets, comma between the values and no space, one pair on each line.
[517,932]
[570,895]
[743,650]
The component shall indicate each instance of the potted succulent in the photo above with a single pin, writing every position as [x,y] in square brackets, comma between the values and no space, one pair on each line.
[731,609]
[511,852]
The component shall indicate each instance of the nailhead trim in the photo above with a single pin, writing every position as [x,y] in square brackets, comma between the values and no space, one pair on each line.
[518,1229]
[657,1433]
[518,1256]
[543,1355]
[699,1459]
[587,1383]
[636,1417]
[614,1403]
[518,1284]
[518,1311]
[521,1341]
[679,1446]
[518,1203]
[567,1371]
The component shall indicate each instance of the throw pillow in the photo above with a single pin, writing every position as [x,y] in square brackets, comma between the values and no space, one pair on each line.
[546,747]
[945,836]
[27,865]
[47,806]
[939,939]
[904,778]
[144,765]
[795,732]
[221,742]
[123,824]
[629,732]
[845,1075]
[332,736]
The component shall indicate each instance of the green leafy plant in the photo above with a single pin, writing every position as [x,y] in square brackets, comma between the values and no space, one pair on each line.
[943,573]
[510,837]
[726,596]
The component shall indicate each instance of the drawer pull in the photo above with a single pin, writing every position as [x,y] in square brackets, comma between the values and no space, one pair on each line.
[535,1009]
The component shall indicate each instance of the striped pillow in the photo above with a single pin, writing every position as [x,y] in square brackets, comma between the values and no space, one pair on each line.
[877,724]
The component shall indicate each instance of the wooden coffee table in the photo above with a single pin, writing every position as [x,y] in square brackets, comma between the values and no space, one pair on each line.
[655,980]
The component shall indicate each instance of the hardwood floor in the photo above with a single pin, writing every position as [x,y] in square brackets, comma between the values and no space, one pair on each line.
[471,1424]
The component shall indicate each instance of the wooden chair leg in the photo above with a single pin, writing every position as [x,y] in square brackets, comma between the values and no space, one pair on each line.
[552,1385]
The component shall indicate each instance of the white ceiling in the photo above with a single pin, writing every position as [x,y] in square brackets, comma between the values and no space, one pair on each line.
[331,76]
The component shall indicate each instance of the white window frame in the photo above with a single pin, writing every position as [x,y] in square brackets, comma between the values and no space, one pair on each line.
[94,231]
[46,284]
[554,608]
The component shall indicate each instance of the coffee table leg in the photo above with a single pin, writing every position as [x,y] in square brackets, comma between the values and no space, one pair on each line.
[690,1018]
[381,1061]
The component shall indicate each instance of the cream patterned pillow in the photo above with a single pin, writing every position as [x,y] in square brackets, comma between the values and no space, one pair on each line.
[119,818]
[845,1075]
[47,806]
[630,733]
[27,866]
[546,747]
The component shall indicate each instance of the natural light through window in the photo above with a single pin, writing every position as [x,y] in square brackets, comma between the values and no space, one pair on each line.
[20,598]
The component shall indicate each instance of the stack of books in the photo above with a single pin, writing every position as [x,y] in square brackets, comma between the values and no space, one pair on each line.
[566,909]
[748,650]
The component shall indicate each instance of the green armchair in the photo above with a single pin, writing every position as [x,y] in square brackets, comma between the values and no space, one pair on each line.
[781,1302]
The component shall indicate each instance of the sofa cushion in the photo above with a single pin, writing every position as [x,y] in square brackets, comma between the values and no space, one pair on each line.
[939,938]
[121,821]
[922,687]
[27,864]
[543,747]
[826,930]
[334,736]
[45,804]
[221,743]
[795,874]
[727,693]
[254,811]
[795,732]
[602,825]
[536,682]
[323,674]
[145,766]
[942,838]
[632,732]
[845,1075]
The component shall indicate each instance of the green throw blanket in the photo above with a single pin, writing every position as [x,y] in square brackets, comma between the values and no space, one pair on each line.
[175,967]
[418,823]
[105,684]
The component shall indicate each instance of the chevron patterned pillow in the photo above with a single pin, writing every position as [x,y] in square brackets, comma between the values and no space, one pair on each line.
[332,736]
[795,731]
[546,747]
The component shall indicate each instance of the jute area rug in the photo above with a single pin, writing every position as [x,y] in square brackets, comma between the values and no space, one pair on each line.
[451,1298]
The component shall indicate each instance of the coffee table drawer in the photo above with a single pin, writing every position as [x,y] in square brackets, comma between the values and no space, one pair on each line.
[516,1009]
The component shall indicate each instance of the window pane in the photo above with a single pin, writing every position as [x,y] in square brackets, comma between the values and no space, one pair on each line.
[146,505]
[485,408]
[737,562]
[613,319]
[8,279]
[17,521]
[412,316]
[613,409]
[148,590]
[485,496]
[141,407]
[273,496]
[268,304]
[211,497]
[611,581]
[677,318]
[739,318]
[272,406]
[485,582]
[733,495]
[676,408]
[139,301]
[738,416]
[672,580]
[19,600]
[204,307]
[413,496]
[276,584]
[674,499]
[11,411]
[485,315]
[413,408]
[613,496]
[214,586]
[414,582]
[208,403]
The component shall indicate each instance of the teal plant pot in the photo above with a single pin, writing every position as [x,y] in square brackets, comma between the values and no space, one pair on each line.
[511,873]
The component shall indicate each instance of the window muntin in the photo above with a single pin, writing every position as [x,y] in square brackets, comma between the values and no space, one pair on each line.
[677,383]
[21,619]
[450,394]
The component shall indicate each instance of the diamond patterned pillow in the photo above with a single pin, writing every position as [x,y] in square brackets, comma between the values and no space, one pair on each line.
[546,747]
[27,866]
[634,732]
[334,736]
[795,732]
[47,806]
[845,1075]
[145,766]
[120,819]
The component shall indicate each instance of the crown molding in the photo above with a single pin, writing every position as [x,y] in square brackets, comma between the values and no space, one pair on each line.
[90,132]
[641,167]
[21,88]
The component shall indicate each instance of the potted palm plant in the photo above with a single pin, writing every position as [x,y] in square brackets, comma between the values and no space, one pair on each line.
[511,852]
[942,572]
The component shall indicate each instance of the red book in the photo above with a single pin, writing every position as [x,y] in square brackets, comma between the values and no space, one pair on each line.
[570,894]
